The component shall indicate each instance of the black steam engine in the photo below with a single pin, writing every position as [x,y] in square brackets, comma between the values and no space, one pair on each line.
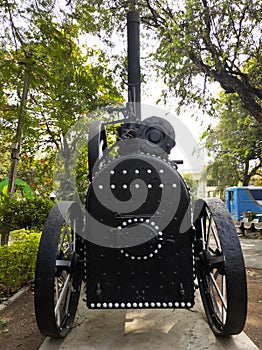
[138,242]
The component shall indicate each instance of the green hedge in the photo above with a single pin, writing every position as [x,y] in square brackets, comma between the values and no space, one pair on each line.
[17,213]
[17,261]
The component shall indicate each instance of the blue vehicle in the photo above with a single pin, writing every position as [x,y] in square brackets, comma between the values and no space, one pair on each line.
[244,202]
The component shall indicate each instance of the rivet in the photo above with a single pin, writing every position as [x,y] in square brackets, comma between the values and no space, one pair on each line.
[161,171]
[92,305]
[147,221]
[149,171]
[157,227]
[121,251]
[140,304]
[151,255]
[127,255]
[174,185]
[155,251]
[159,246]
[123,305]
[125,186]
[110,305]
[132,257]
[100,187]
[119,227]
[98,305]
[124,171]
[153,304]
[129,220]
[146,304]
[188,304]
[136,171]
[135,304]
[152,223]
[139,258]
[124,223]
[164,304]
[137,186]
[176,304]
[149,186]
[116,305]
[141,219]
[112,172]
[160,233]
[135,220]
[128,305]
[113,186]
[161,185]
[105,305]
[170,304]
[145,257]
[183,304]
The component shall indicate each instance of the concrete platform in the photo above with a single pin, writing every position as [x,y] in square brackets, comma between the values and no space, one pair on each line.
[153,329]
[145,330]
[252,251]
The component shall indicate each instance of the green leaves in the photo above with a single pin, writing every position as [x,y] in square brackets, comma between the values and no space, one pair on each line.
[17,263]
[67,81]
[20,213]
[234,144]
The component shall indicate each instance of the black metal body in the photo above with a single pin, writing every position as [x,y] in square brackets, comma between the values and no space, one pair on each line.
[126,273]
[133,52]
[138,255]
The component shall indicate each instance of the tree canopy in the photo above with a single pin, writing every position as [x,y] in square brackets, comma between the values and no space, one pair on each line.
[196,42]
[65,80]
[234,144]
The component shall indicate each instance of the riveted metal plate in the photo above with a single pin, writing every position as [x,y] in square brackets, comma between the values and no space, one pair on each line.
[139,251]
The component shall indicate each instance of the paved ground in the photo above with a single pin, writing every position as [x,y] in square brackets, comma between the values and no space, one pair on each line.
[153,329]
[252,250]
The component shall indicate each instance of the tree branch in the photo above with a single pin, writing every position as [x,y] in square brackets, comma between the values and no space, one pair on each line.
[231,84]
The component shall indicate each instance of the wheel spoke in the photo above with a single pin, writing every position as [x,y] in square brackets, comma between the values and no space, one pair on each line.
[57,297]
[211,228]
[221,296]
[61,296]
[74,236]
[224,293]
[208,229]
[203,233]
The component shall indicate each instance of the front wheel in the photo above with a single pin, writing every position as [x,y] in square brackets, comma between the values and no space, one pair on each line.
[59,270]
[220,268]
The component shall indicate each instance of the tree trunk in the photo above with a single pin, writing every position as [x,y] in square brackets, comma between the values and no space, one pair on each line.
[246,176]
[16,146]
[5,235]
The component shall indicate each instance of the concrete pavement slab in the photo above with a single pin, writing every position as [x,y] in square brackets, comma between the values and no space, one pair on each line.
[252,251]
[145,330]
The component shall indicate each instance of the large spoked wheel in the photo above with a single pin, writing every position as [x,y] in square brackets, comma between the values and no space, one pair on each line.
[220,268]
[59,270]
[97,143]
